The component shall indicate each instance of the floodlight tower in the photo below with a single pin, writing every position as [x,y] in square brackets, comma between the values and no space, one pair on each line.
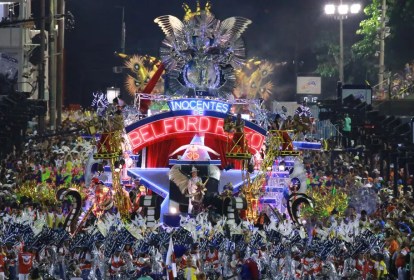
[341,12]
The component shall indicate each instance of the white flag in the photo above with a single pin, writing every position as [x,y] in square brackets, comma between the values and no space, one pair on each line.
[170,260]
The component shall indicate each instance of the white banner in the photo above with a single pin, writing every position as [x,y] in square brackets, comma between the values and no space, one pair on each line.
[308,85]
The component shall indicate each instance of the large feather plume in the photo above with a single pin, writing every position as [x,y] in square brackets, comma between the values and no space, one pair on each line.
[170,25]
[179,178]
[234,27]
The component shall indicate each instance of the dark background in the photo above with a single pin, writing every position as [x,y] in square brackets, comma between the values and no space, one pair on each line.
[282,31]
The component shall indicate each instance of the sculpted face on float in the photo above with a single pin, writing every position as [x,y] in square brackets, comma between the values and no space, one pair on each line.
[167,128]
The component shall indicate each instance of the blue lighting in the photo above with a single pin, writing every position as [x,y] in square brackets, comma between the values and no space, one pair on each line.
[302,145]
[163,192]
[199,105]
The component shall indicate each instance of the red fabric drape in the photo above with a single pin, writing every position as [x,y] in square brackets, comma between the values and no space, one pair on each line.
[158,153]
[221,147]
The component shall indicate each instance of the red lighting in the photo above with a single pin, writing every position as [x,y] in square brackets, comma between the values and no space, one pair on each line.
[172,127]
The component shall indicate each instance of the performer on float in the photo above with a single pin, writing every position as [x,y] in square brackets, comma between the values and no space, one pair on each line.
[228,125]
[238,137]
[193,185]
[103,198]
[277,123]
[128,164]
[140,190]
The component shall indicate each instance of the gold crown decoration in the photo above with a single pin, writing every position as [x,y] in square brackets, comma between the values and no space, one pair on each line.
[189,14]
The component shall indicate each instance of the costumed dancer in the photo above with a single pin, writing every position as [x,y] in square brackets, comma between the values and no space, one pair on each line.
[142,264]
[190,272]
[99,260]
[358,263]
[183,260]
[116,264]
[307,265]
[25,259]
[250,270]
[50,218]
[381,268]
[236,265]
[3,259]
[11,261]
[59,217]
[195,256]
[63,253]
[85,263]
[212,260]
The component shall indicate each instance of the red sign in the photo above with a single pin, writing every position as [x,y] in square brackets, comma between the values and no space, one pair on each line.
[169,128]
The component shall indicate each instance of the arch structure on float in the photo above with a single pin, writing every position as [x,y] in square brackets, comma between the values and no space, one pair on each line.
[177,124]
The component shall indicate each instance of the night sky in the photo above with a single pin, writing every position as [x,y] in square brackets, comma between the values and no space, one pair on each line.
[282,31]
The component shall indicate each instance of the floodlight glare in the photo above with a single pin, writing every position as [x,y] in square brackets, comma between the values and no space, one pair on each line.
[329,9]
[173,210]
[355,8]
[343,9]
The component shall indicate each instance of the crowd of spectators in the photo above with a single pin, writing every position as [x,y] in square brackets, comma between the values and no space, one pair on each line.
[60,160]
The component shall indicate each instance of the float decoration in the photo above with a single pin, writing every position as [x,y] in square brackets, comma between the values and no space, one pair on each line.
[326,202]
[201,53]
[110,126]
[141,69]
[253,79]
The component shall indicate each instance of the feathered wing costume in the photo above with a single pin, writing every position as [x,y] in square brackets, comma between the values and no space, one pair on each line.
[182,181]
[179,178]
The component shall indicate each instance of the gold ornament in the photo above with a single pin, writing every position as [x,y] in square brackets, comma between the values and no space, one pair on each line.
[325,201]
[141,69]
[253,80]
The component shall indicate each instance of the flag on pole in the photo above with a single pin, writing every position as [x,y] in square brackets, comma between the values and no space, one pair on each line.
[170,261]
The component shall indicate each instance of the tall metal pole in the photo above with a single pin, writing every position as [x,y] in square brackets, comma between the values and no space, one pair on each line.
[52,66]
[341,50]
[382,47]
[123,32]
[60,62]
[41,75]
